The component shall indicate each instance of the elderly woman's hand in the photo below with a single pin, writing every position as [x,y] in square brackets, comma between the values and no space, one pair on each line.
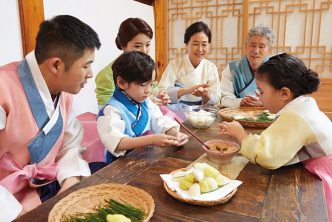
[202,90]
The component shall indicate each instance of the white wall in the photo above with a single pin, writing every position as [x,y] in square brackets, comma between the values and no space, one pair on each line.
[104,16]
[10,37]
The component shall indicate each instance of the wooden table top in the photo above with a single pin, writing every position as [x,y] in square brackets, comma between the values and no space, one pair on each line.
[288,194]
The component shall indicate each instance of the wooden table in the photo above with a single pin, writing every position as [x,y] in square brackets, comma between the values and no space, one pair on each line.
[287,194]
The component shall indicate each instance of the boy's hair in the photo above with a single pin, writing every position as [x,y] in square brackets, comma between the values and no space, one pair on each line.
[129,28]
[195,28]
[66,37]
[285,70]
[261,30]
[133,66]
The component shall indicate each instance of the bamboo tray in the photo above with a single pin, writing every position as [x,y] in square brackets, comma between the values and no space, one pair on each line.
[87,199]
[228,115]
[198,202]
[209,203]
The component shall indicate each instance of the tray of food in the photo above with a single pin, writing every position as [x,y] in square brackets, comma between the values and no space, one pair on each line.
[252,117]
[104,202]
[200,185]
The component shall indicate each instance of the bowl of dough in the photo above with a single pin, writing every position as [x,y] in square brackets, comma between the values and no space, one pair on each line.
[200,116]
[221,151]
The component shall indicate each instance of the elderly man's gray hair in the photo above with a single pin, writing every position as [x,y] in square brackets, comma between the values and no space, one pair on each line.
[262,31]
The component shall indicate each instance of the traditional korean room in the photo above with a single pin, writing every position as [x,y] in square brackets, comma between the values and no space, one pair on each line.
[165,110]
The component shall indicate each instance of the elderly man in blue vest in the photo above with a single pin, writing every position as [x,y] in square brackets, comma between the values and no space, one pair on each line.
[238,83]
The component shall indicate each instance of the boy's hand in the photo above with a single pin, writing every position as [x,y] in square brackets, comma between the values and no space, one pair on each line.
[182,138]
[164,140]
[233,129]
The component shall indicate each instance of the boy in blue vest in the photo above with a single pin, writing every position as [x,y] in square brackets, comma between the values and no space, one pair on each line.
[130,119]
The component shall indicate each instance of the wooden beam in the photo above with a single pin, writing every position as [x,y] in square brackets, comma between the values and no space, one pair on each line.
[161,36]
[245,24]
[147,2]
[31,15]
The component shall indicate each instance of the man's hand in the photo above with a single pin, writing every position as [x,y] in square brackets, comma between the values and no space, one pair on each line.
[70,181]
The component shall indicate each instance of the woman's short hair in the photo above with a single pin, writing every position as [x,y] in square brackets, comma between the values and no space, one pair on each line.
[195,28]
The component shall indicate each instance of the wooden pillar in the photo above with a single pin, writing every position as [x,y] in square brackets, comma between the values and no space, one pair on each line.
[245,24]
[31,15]
[161,37]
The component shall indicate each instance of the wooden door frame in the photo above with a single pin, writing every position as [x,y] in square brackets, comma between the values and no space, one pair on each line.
[31,15]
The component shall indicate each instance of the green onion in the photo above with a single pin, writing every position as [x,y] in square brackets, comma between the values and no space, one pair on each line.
[262,117]
[111,207]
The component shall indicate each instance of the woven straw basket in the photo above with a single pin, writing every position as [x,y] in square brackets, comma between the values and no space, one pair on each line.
[227,114]
[86,199]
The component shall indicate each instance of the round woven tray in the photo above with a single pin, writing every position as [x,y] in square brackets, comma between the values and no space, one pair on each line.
[198,202]
[86,199]
[229,113]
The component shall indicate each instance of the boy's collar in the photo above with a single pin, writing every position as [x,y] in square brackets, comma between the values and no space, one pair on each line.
[125,94]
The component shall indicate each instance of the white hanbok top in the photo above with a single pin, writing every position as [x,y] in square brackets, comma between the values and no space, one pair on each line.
[111,127]
[185,74]
[228,98]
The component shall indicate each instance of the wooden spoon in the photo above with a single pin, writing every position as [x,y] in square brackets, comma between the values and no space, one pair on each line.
[191,133]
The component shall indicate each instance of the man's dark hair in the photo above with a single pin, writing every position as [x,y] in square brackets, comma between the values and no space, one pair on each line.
[66,37]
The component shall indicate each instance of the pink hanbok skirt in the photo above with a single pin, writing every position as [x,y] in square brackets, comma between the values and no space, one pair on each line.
[322,167]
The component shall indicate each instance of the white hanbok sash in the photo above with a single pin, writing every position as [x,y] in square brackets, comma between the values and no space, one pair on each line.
[191,79]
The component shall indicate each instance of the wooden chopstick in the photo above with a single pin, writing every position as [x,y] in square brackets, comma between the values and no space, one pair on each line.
[191,133]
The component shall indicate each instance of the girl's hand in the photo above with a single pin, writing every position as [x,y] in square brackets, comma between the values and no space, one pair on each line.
[163,140]
[233,129]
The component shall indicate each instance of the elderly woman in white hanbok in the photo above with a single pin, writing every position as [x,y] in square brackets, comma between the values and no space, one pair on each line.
[192,79]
